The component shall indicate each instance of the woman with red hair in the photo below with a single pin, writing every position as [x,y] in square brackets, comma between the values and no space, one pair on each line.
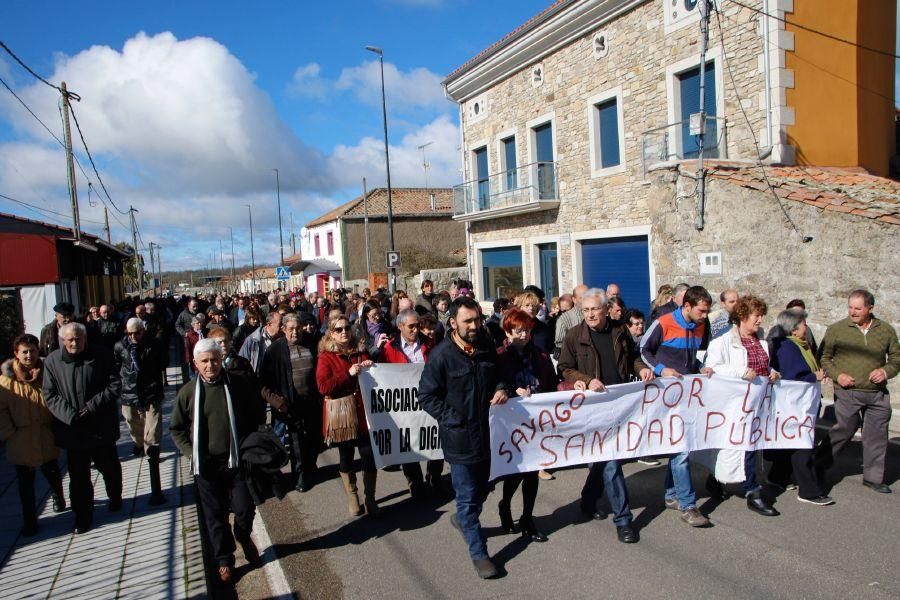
[527,370]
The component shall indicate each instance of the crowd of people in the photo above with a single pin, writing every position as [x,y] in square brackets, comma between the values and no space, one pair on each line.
[286,364]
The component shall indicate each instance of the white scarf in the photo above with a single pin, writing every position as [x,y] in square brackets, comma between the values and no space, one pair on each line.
[195,429]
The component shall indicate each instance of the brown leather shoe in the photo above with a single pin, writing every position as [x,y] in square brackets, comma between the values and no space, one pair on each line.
[694,518]
[226,574]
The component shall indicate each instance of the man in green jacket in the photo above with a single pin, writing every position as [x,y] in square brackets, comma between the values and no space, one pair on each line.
[860,353]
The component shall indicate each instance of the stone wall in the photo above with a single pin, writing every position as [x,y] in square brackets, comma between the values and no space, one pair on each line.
[762,254]
[639,52]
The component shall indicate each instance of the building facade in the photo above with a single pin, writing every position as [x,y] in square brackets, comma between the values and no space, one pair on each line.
[562,119]
[425,234]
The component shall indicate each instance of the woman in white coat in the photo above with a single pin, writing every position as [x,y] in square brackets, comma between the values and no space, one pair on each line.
[741,353]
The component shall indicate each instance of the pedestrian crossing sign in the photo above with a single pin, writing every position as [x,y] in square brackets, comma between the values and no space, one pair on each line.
[282,273]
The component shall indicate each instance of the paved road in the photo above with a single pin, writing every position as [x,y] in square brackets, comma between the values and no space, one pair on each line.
[851,549]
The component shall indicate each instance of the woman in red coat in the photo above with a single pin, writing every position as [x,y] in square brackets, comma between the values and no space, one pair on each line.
[527,370]
[341,357]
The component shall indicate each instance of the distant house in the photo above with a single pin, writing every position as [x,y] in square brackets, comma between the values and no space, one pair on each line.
[333,246]
[41,264]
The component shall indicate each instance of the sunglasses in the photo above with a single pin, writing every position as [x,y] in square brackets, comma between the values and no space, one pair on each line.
[341,329]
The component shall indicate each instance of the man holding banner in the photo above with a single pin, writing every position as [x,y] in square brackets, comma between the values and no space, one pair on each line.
[596,353]
[458,384]
[670,348]
[411,347]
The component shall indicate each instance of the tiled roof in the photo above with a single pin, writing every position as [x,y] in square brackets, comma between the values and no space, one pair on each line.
[509,37]
[66,231]
[404,202]
[846,190]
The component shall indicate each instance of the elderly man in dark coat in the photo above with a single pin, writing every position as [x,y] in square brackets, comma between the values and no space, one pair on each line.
[289,386]
[64,312]
[81,390]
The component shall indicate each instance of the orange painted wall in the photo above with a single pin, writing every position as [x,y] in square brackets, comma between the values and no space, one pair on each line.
[842,95]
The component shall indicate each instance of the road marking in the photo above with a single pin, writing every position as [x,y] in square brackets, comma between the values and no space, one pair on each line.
[274,573]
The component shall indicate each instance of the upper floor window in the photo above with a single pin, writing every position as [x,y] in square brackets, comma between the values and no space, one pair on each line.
[329,237]
[317,245]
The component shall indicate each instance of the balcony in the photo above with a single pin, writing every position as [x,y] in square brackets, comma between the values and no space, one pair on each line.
[674,142]
[525,189]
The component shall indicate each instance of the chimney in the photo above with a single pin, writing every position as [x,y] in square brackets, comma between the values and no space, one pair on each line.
[433,207]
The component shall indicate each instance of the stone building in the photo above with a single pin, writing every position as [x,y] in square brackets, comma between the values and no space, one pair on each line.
[425,233]
[562,119]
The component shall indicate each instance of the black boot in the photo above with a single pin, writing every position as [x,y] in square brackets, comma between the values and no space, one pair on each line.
[715,488]
[54,478]
[530,531]
[506,521]
[758,504]
[25,478]
[156,495]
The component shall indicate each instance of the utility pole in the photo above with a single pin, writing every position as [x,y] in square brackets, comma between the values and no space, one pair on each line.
[231,235]
[221,260]
[280,229]
[252,259]
[70,164]
[387,165]
[366,213]
[106,224]
[152,269]
[138,271]
[159,269]
[701,174]
[293,248]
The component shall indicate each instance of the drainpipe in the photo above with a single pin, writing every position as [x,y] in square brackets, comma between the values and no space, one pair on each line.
[462,162]
[767,67]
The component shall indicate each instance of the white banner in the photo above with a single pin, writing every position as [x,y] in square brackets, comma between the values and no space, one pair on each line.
[401,432]
[665,416]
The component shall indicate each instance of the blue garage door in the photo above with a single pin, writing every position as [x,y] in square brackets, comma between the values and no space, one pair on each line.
[624,261]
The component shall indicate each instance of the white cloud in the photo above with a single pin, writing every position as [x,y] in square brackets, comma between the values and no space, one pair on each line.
[416,88]
[407,170]
[307,82]
[188,112]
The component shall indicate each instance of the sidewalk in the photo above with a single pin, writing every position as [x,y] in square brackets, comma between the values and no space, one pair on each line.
[140,552]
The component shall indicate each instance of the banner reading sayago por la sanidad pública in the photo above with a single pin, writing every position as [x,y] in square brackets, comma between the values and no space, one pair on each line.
[400,431]
[664,416]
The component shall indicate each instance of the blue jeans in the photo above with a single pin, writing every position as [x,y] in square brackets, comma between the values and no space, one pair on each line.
[678,481]
[609,475]
[750,484]
[470,482]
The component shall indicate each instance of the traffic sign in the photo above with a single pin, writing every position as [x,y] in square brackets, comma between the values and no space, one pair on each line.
[393,259]
[282,273]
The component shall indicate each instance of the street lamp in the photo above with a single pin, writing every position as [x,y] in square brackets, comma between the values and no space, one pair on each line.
[387,163]
[252,258]
[280,229]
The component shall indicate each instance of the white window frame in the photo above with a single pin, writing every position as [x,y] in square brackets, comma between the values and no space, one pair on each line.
[615,232]
[478,271]
[535,256]
[673,91]
[473,165]
[593,116]
[501,154]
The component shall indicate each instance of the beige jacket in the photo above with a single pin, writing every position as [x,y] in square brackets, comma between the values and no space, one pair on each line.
[25,422]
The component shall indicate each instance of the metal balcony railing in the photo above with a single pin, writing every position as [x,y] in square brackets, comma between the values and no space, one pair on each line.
[674,142]
[523,185]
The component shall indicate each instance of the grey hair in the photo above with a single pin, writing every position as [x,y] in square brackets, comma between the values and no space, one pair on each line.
[594,293]
[271,316]
[207,345]
[73,326]
[789,319]
[290,318]
[135,323]
[199,318]
[405,314]
[681,287]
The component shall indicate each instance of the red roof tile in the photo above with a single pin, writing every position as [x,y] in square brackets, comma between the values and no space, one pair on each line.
[845,190]
[404,202]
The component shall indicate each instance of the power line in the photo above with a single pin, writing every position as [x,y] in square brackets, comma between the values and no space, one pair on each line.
[773,44]
[91,158]
[43,210]
[817,32]
[759,162]
[22,102]
[27,68]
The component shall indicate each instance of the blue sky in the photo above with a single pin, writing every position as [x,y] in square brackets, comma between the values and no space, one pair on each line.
[188,106]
